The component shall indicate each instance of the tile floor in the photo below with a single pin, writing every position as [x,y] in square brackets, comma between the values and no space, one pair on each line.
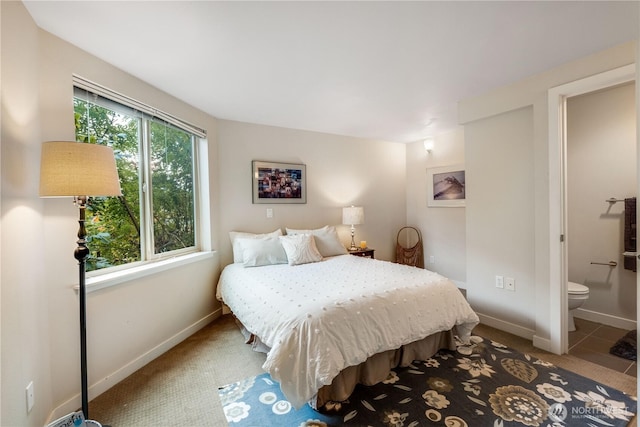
[591,341]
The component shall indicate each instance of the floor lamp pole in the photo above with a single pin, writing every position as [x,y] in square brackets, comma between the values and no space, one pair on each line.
[81,254]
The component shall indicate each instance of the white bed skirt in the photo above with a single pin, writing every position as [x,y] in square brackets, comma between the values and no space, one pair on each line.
[372,371]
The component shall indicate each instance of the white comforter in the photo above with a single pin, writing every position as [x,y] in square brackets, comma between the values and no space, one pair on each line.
[322,317]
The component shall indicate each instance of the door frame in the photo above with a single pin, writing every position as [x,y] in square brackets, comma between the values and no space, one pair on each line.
[558,276]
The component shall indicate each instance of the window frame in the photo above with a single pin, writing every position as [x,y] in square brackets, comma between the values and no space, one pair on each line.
[150,261]
[147,245]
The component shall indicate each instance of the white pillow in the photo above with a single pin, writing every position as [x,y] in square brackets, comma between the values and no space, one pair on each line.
[300,249]
[233,235]
[326,238]
[261,251]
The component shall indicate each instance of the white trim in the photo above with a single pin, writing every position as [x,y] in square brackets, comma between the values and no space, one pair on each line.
[605,319]
[558,298]
[152,267]
[542,343]
[558,339]
[505,326]
[123,372]
[203,204]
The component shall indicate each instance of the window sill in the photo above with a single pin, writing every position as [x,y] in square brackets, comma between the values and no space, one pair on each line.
[126,275]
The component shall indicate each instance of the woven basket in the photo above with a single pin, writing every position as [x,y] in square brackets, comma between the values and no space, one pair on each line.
[410,256]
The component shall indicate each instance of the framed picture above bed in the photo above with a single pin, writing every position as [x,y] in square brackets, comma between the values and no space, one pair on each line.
[279,182]
[446,186]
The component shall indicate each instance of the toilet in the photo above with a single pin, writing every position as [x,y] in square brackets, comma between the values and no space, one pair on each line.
[578,294]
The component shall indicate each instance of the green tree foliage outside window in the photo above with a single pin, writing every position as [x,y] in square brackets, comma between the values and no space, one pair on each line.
[172,191]
[117,231]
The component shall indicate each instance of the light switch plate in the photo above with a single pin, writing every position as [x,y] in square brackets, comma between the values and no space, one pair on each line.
[30,397]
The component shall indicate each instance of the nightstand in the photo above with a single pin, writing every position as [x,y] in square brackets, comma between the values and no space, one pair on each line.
[365,253]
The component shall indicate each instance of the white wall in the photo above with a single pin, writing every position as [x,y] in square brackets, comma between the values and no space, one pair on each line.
[601,164]
[494,122]
[25,318]
[127,324]
[443,229]
[500,230]
[341,171]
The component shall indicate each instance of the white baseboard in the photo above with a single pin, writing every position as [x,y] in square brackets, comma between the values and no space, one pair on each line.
[545,343]
[520,331]
[123,372]
[506,326]
[605,319]
[542,343]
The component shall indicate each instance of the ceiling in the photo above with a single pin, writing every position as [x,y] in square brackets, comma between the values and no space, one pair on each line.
[381,70]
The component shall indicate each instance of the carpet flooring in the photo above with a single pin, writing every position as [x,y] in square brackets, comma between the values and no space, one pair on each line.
[183,383]
[482,384]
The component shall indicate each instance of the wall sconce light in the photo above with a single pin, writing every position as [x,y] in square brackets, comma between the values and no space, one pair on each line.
[428,144]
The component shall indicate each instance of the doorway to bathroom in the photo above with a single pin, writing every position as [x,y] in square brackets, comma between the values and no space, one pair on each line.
[600,170]
[560,174]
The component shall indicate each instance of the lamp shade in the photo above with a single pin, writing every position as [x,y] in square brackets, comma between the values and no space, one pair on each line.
[78,169]
[353,215]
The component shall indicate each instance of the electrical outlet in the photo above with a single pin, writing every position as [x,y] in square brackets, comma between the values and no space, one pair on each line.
[510,284]
[500,282]
[30,400]
[269,213]
[432,259]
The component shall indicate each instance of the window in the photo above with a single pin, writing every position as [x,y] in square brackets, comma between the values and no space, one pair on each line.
[156,216]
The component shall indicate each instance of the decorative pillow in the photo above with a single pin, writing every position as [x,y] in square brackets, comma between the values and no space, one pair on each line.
[233,235]
[261,251]
[326,238]
[300,249]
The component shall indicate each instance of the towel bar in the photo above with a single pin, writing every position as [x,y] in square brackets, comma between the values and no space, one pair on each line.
[610,263]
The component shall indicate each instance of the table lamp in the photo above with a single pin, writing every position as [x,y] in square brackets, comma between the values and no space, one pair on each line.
[353,215]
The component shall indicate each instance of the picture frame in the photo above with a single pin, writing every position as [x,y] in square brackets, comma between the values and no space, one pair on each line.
[279,183]
[446,186]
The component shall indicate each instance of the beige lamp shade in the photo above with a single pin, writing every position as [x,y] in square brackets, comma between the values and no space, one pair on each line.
[353,215]
[78,169]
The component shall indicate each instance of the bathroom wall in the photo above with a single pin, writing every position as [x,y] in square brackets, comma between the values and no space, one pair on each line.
[601,164]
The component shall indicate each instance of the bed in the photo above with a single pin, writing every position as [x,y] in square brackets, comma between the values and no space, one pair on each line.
[339,320]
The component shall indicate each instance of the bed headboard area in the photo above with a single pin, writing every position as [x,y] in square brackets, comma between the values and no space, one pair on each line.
[297,246]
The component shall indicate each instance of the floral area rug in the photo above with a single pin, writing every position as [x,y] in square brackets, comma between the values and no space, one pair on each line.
[478,385]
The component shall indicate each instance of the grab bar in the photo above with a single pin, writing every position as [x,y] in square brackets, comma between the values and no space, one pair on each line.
[610,263]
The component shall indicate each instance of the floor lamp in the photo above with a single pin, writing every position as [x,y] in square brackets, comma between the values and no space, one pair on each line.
[79,170]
